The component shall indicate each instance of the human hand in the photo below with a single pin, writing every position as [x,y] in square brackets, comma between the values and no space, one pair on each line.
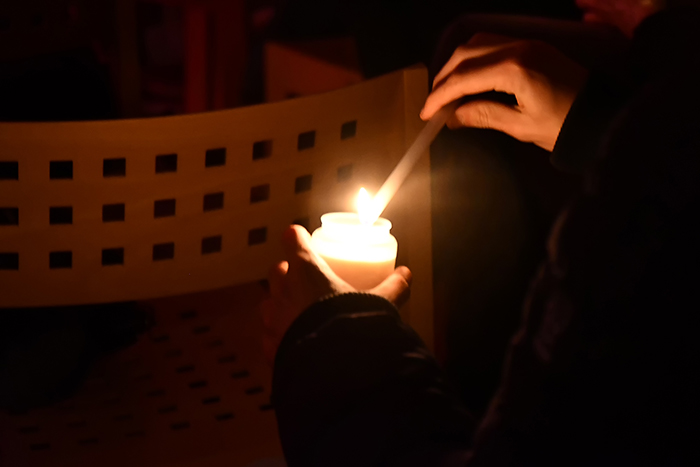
[543,80]
[305,278]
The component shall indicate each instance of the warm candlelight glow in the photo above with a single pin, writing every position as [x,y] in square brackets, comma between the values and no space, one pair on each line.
[419,147]
[362,254]
[364,208]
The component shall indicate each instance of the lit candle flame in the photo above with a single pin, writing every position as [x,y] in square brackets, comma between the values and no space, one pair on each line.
[365,208]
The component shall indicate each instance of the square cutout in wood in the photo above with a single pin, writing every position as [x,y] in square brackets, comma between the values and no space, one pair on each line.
[211,244]
[163,251]
[112,256]
[164,208]
[9,261]
[59,170]
[257,236]
[345,173]
[60,259]
[9,216]
[166,163]
[259,193]
[215,157]
[114,167]
[348,130]
[262,149]
[60,215]
[303,183]
[213,201]
[306,140]
[113,212]
[9,170]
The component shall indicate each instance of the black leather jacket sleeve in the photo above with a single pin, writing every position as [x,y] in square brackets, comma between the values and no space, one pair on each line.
[354,386]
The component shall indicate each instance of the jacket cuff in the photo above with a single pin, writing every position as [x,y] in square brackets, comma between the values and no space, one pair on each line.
[325,310]
[586,124]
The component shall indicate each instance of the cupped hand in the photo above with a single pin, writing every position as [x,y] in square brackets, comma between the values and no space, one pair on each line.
[543,80]
[305,278]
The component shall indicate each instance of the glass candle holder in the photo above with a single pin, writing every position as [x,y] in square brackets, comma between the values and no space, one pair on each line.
[363,255]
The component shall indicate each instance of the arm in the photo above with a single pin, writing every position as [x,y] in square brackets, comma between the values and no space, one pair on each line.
[560,107]
[587,121]
[353,385]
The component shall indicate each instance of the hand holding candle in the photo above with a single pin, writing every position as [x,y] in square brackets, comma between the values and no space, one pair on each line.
[349,252]
[305,278]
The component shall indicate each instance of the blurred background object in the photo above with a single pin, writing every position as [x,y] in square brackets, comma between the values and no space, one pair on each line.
[55,62]
[301,68]
[79,59]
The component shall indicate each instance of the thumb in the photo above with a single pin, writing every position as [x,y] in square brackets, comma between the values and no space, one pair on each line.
[487,114]
[296,242]
[396,287]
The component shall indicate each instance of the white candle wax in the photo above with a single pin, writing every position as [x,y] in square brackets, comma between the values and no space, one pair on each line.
[362,255]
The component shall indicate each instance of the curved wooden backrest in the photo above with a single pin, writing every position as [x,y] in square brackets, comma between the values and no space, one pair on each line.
[107,211]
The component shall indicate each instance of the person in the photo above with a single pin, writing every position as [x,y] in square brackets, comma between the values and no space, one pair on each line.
[603,369]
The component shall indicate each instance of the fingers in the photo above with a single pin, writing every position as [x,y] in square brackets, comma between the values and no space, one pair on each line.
[296,242]
[396,287]
[479,45]
[461,54]
[276,278]
[292,240]
[487,114]
[297,245]
[495,72]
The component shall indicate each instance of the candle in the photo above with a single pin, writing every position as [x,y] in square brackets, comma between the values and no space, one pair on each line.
[361,252]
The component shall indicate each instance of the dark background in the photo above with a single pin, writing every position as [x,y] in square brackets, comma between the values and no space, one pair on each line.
[40,83]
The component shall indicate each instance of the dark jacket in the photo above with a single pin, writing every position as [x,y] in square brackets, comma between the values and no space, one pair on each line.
[603,369]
